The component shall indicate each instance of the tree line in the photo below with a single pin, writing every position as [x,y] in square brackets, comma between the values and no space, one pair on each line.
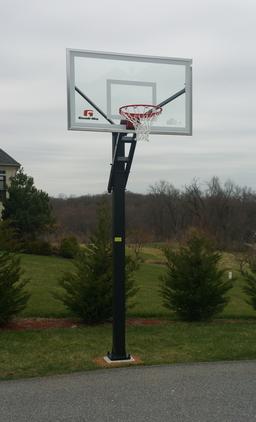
[224,211]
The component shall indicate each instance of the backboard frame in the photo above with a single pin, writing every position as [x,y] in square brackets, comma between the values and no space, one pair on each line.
[110,126]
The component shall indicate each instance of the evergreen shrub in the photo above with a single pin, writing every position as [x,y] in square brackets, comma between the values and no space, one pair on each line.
[194,287]
[13,297]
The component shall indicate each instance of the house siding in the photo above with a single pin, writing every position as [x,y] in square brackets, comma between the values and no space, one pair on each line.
[10,172]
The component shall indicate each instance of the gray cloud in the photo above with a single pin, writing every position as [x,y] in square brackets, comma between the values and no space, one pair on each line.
[219,36]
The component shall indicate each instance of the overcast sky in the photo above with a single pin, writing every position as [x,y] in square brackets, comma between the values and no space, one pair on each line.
[218,35]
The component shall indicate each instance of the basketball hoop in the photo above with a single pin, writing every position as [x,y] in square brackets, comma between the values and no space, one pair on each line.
[141,118]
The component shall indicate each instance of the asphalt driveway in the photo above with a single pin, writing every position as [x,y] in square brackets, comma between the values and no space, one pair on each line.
[221,392]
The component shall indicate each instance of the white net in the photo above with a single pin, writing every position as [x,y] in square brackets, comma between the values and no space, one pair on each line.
[142,117]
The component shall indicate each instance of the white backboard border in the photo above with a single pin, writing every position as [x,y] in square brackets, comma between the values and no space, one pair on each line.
[112,128]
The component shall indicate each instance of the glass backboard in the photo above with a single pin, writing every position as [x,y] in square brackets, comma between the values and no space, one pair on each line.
[99,83]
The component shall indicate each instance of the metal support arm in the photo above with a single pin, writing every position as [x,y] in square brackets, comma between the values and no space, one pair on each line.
[122,139]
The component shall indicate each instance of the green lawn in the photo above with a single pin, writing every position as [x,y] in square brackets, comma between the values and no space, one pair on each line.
[55,351]
[148,299]
[42,352]
[45,271]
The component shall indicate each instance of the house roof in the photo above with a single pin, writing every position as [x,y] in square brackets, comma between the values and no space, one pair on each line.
[7,160]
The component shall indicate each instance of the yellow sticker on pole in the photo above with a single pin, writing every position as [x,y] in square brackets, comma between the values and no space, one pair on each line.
[117,239]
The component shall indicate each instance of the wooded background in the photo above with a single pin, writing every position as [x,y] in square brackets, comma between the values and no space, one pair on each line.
[226,212]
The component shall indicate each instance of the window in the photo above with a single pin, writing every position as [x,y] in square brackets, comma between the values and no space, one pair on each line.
[2,185]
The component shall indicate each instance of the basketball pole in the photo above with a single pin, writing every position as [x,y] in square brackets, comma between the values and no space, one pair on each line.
[117,185]
[119,174]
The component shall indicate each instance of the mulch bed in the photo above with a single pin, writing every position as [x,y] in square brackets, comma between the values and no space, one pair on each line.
[141,321]
[47,323]
[39,324]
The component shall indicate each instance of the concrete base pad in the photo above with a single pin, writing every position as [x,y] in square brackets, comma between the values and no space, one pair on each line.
[106,358]
[105,362]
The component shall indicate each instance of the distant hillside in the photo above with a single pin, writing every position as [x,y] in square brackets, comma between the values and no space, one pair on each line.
[226,211]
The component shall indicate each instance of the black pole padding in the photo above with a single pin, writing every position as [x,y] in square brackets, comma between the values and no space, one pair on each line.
[130,158]
[115,140]
[118,233]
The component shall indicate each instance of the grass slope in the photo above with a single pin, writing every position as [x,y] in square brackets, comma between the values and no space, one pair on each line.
[44,273]
[36,353]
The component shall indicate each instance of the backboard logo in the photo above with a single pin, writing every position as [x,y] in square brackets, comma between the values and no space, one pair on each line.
[88,114]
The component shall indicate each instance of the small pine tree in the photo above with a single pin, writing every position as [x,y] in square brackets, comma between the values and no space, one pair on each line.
[13,297]
[193,286]
[69,247]
[8,237]
[248,271]
[88,289]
